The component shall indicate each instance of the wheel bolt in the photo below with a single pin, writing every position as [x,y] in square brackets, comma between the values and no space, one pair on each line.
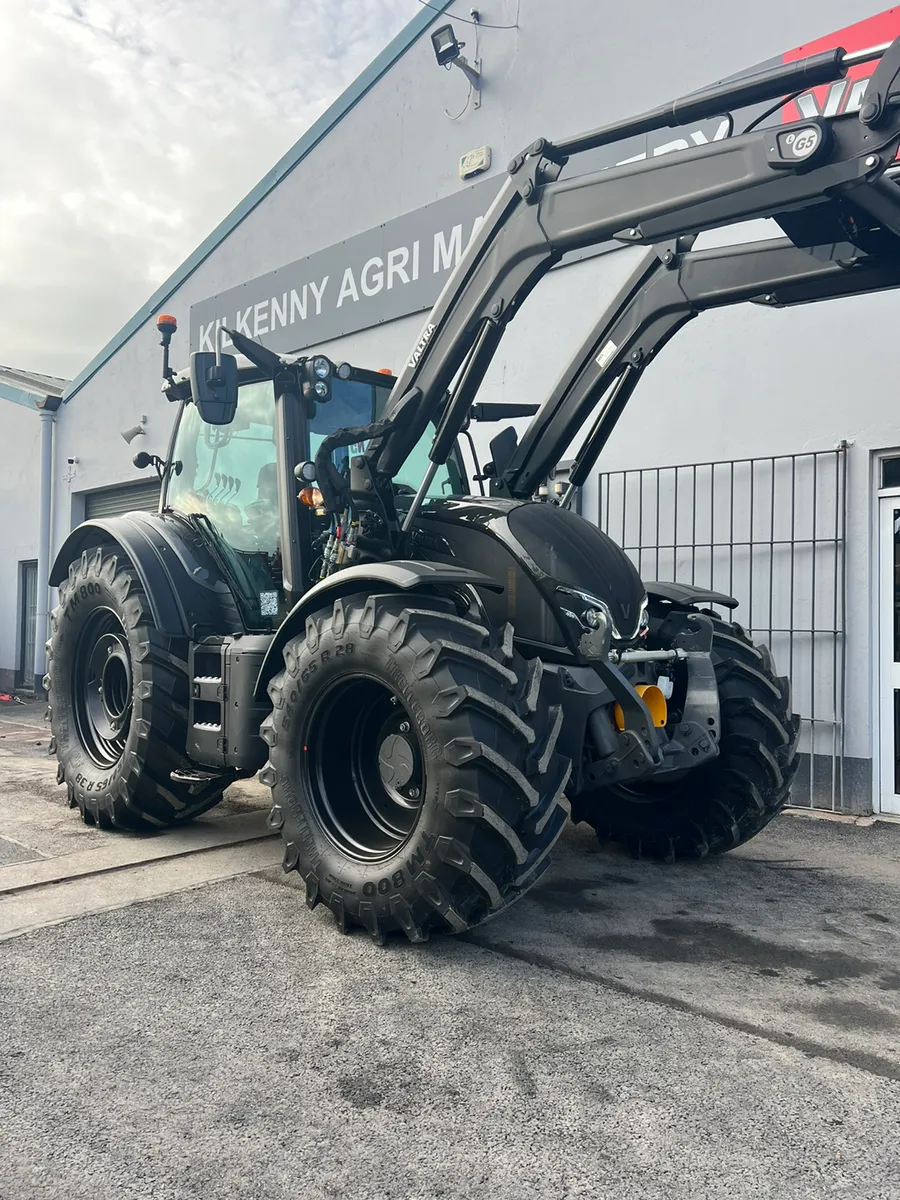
[404,726]
[413,793]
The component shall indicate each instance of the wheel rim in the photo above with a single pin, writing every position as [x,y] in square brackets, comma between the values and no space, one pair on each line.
[102,688]
[363,767]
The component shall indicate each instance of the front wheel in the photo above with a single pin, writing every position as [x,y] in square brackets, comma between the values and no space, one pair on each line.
[413,767]
[729,800]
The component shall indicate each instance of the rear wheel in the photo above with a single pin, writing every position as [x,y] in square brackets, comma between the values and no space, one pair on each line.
[718,806]
[412,766]
[118,702]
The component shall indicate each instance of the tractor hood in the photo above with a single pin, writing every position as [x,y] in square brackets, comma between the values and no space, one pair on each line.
[551,544]
[575,553]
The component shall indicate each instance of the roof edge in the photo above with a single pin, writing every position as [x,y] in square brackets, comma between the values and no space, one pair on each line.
[20,396]
[320,128]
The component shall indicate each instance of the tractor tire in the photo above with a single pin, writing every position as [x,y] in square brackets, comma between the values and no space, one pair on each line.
[118,696]
[412,765]
[728,801]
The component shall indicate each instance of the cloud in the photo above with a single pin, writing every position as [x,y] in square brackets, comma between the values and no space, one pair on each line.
[131,129]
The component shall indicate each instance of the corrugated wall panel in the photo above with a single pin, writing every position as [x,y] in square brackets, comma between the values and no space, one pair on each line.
[127,497]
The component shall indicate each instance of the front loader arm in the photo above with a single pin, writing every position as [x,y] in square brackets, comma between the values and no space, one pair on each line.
[670,287]
[538,217]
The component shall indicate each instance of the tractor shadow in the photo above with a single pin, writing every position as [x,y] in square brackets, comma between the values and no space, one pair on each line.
[779,917]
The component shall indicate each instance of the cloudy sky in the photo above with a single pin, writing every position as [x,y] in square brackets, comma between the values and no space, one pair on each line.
[130,129]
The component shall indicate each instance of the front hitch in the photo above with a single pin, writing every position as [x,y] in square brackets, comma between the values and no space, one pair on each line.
[631,752]
[638,748]
[695,738]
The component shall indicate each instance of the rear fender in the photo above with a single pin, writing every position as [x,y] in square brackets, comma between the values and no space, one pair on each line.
[187,593]
[400,576]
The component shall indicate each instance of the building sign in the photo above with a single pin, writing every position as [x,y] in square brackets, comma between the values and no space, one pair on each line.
[387,272]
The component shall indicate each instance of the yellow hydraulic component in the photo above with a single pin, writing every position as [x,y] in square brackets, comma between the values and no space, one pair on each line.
[655,701]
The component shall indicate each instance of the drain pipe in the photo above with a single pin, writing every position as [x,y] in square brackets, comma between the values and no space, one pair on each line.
[48,407]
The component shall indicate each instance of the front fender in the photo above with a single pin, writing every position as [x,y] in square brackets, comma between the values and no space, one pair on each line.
[687,594]
[186,591]
[399,575]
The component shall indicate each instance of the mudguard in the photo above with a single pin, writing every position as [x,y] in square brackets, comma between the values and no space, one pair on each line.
[187,592]
[687,593]
[399,575]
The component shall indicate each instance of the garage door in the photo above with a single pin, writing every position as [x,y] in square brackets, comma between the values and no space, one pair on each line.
[128,497]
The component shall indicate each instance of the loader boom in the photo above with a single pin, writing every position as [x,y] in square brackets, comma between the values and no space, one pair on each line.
[788,172]
[671,286]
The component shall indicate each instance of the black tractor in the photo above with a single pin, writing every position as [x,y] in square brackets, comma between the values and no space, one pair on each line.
[429,680]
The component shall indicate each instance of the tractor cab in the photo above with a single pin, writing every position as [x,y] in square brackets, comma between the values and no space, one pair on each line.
[225,477]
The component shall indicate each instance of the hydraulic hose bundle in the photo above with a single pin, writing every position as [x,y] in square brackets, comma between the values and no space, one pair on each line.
[341,546]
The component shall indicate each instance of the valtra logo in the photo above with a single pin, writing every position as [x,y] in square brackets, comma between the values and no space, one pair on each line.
[420,346]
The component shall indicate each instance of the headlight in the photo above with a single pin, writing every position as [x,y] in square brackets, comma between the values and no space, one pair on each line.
[321,367]
[595,618]
[595,613]
[320,388]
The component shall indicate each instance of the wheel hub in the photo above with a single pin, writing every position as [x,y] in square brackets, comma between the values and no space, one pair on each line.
[364,768]
[114,667]
[103,687]
[396,765]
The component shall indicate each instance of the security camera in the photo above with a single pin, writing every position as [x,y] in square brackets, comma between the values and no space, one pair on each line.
[71,461]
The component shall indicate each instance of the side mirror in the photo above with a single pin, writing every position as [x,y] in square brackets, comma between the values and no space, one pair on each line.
[214,386]
[503,447]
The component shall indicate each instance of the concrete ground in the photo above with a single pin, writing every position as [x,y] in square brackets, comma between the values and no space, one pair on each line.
[723,1029]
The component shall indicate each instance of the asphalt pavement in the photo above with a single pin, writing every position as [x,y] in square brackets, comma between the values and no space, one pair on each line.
[729,1028]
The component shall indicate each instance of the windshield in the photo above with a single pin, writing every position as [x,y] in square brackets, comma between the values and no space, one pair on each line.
[228,471]
[229,478]
[356,404]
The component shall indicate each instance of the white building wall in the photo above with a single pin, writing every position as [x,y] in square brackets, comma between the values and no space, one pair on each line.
[20,438]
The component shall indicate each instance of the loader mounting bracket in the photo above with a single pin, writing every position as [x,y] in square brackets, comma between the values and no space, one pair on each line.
[632,760]
[689,631]
[882,87]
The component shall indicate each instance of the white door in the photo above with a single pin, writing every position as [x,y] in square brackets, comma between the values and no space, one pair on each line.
[889,672]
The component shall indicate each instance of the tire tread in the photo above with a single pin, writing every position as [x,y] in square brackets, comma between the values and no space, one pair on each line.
[140,794]
[498,730]
[732,799]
